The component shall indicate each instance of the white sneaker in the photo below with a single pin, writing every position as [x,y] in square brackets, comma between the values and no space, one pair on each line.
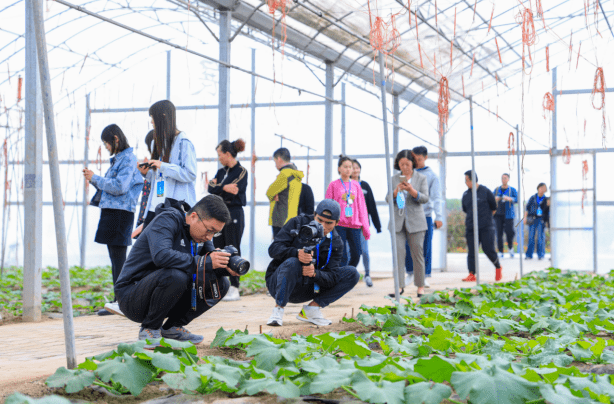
[409,279]
[312,314]
[113,307]
[368,281]
[232,295]
[426,283]
[277,317]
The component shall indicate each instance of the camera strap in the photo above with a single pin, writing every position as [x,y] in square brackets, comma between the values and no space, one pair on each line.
[330,251]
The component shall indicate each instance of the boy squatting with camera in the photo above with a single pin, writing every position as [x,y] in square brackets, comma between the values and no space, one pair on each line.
[306,265]
[163,276]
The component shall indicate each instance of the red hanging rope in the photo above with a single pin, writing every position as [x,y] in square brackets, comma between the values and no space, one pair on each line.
[584,179]
[548,103]
[567,155]
[98,162]
[511,150]
[472,63]
[547,58]
[409,11]
[529,36]
[420,52]
[498,51]
[490,22]
[19,85]
[539,11]
[598,88]
[436,12]
[578,61]
[443,104]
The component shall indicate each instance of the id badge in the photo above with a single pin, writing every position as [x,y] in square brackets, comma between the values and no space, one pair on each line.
[348,211]
[539,211]
[401,200]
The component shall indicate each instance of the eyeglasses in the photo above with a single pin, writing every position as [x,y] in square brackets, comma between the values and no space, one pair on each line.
[209,231]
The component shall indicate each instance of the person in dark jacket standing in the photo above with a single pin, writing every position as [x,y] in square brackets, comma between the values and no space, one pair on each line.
[230,183]
[372,211]
[506,197]
[288,196]
[119,192]
[292,277]
[487,206]
[536,216]
[159,275]
[146,185]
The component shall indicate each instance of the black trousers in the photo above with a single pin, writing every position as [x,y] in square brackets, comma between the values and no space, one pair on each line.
[117,254]
[232,234]
[508,225]
[486,238]
[165,293]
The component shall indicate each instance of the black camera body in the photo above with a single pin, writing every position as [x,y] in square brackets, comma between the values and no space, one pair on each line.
[236,263]
[310,235]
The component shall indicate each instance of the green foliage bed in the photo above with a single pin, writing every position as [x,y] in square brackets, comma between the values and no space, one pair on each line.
[530,341]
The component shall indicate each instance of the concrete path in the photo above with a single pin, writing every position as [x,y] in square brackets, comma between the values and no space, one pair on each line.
[32,350]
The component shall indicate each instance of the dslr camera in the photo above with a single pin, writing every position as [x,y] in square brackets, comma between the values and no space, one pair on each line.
[236,263]
[310,235]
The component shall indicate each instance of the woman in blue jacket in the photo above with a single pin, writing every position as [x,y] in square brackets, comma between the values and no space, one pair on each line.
[119,191]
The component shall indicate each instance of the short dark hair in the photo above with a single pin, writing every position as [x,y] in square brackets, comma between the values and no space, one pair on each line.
[541,184]
[468,174]
[282,153]
[506,174]
[108,135]
[212,207]
[356,162]
[404,154]
[420,151]
[148,139]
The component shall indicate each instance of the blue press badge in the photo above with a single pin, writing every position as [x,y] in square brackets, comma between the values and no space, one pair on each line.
[539,211]
[349,212]
[401,200]
[160,186]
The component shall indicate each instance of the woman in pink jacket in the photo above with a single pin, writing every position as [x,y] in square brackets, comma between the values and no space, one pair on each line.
[354,216]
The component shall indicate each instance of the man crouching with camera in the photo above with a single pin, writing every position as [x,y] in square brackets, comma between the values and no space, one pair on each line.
[306,265]
[164,278]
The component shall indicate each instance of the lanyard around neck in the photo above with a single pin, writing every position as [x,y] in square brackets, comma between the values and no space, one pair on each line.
[330,250]
[345,189]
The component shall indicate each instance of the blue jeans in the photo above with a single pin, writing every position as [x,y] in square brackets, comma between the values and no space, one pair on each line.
[539,227]
[352,237]
[286,285]
[428,251]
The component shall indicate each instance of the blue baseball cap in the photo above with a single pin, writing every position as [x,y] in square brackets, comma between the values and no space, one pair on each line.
[329,209]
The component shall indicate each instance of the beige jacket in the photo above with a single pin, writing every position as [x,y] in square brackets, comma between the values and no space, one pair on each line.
[413,214]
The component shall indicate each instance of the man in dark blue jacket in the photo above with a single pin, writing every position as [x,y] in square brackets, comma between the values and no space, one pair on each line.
[292,277]
[157,279]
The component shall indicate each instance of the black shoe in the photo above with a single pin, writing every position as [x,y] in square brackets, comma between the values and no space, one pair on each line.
[420,294]
[104,312]
[400,293]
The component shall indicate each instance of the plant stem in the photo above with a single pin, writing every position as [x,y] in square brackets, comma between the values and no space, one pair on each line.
[540,401]
[346,388]
[458,402]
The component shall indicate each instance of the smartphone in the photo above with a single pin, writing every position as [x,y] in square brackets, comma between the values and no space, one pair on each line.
[144,165]
[403,178]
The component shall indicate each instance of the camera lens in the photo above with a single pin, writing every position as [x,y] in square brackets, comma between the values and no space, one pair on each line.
[239,265]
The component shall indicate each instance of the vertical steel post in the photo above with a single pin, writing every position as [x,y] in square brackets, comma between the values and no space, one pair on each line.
[342,119]
[395,264]
[520,205]
[595,260]
[88,125]
[224,78]
[252,216]
[395,128]
[168,75]
[33,179]
[553,156]
[328,125]
[443,174]
[56,186]
[474,197]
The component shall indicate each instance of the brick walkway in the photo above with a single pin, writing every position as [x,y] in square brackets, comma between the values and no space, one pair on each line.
[32,350]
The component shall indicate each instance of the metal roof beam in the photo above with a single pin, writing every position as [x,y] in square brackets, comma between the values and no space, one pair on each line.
[263,22]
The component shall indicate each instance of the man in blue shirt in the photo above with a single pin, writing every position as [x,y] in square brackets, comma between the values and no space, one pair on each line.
[506,197]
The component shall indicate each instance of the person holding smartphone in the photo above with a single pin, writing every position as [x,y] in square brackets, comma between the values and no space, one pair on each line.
[172,168]
[410,192]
